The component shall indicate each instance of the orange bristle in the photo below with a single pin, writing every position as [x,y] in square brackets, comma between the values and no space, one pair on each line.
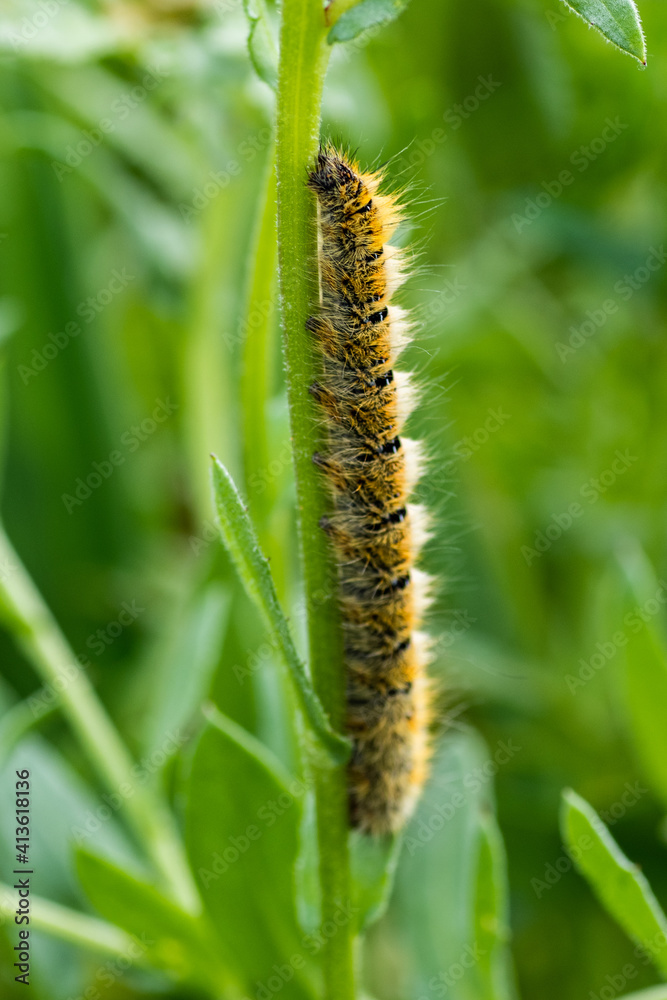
[374,529]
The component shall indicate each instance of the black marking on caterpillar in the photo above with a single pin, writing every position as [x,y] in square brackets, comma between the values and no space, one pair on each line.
[371,469]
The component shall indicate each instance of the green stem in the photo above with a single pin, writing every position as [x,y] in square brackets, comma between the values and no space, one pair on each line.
[37,633]
[68,925]
[302,68]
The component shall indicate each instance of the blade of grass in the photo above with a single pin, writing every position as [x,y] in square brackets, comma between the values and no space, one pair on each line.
[646,667]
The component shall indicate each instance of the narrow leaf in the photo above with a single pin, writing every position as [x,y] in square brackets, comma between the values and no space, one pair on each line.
[238,535]
[441,924]
[646,666]
[261,43]
[617,20]
[361,17]
[652,993]
[373,865]
[165,936]
[491,914]
[616,881]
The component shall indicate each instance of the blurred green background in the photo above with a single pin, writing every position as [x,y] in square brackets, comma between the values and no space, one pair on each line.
[135,139]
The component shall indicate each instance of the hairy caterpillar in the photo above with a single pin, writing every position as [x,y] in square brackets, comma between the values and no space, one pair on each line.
[376,533]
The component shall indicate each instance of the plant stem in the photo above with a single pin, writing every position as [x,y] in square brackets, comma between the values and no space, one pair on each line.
[302,67]
[36,631]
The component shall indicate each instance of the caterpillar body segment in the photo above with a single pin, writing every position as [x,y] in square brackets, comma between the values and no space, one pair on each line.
[375,529]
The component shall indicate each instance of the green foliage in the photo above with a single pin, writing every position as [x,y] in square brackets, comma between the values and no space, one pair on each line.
[261,43]
[492,931]
[253,569]
[617,20]
[367,15]
[139,140]
[240,833]
[646,669]
[618,883]
[168,938]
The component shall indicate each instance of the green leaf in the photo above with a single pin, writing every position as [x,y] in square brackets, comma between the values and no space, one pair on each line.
[653,993]
[261,43]
[443,855]
[78,37]
[240,539]
[373,863]
[492,914]
[166,937]
[17,721]
[617,20]
[187,665]
[362,17]
[616,881]
[243,815]
[646,666]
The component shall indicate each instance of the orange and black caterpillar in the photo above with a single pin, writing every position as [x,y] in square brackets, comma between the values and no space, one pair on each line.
[372,469]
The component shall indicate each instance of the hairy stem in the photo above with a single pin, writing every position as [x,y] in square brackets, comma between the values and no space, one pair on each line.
[302,67]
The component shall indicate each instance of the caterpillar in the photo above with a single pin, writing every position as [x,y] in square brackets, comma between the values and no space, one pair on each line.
[371,470]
